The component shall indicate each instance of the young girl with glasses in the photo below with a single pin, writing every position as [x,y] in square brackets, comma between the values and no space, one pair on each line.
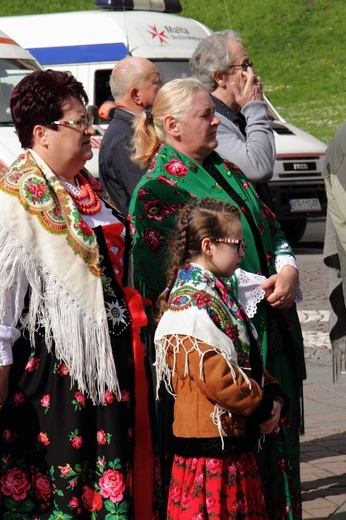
[209,360]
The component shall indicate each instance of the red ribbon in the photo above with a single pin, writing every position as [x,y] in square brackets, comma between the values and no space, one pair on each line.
[143,473]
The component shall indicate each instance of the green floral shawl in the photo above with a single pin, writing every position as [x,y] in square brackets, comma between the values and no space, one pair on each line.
[174,180]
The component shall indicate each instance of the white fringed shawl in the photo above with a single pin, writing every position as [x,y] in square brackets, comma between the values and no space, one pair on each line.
[193,302]
[45,241]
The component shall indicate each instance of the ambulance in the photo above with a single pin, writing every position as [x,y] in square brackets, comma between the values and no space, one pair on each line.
[15,63]
[89,43]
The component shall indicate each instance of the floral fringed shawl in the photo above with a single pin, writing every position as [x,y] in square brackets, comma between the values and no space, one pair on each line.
[45,241]
[206,309]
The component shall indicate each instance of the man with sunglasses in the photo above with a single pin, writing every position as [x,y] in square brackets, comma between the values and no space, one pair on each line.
[244,135]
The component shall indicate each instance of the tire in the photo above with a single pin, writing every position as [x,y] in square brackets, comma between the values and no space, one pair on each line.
[294,229]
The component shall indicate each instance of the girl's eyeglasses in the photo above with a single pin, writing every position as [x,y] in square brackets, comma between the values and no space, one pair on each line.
[239,243]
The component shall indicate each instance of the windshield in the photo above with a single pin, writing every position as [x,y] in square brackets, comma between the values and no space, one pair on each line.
[168,69]
[11,72]
[173,69]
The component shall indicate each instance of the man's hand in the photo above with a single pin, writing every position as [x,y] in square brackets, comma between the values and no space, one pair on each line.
[252,90]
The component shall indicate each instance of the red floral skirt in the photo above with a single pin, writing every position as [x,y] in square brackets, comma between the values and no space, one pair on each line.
[227,489]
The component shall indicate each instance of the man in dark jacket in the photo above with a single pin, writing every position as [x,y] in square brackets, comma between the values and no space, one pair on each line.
[134,83]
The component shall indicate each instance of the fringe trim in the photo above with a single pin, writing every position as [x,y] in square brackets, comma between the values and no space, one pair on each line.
[216,418]
[164,372]
[83,342]
[339,358]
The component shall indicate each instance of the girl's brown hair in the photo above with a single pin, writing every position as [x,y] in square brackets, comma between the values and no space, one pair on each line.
[201,219]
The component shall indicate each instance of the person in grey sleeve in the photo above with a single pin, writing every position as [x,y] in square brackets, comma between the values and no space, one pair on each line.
[246,139]
[245,136]
[134,83]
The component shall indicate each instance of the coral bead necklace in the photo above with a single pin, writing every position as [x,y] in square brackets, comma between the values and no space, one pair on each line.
[93,205]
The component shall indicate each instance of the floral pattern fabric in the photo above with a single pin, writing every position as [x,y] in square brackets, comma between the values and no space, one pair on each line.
[172,181]
[62,457]
[46,242]
[26,182]
[197,288]
[196,486]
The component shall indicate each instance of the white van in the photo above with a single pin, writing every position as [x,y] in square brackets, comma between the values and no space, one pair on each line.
[88,43]
[15,63]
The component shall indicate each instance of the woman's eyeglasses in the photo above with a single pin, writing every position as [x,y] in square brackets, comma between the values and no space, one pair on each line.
[82,124]
[239,243]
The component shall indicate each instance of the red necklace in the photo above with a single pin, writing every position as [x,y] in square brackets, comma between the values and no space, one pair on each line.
[91,207]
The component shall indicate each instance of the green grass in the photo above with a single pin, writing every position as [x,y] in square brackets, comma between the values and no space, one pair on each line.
[298,47]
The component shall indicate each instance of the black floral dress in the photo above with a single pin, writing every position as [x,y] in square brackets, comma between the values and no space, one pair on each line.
[61,457]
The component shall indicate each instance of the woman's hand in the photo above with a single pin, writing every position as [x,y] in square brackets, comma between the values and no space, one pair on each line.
[4,378]
[281,288]
[268,426]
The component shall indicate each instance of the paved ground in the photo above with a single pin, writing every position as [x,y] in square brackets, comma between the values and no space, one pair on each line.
[323,447]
